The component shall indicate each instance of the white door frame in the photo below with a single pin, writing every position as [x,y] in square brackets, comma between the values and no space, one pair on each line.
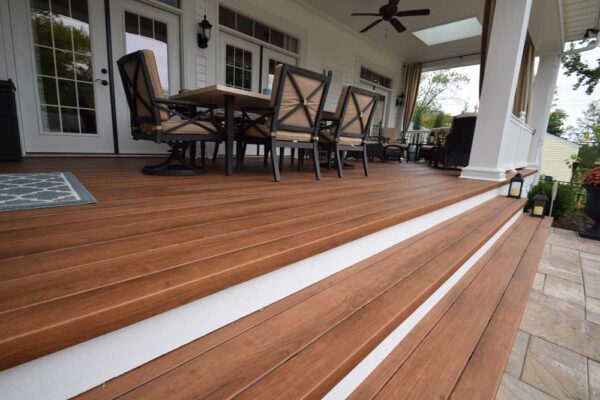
[36,141]
[268,54]
[117,14]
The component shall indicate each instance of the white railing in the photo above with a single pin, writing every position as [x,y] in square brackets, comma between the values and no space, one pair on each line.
[516,144]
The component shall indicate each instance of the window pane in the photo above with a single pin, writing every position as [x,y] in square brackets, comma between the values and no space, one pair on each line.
[146,28]
[276,38]
[88,121]
[85,94]
[226,17]
[50,119]
[247,60]
[261,32]
[229,56]
[60,8]
[160,31]
[44,59]
[70,120]
[247,80]
[172,3]
[239,57]
[66,90]
[64,64]
[42,30]
[131,23]
[62,34]
[47,88]
[245,25]
[79,10]
[83,68]
[229,76]
[238,77]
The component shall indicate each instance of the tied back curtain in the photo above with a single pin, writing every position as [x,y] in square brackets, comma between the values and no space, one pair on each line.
[488,21]
[524,91]
[412,79]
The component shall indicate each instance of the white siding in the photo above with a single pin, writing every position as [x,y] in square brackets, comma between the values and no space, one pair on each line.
[556,153]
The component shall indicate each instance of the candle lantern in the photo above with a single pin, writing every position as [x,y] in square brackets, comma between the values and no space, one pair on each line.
[515,189]
[539,205]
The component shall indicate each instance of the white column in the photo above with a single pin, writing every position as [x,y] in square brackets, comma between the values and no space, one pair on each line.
[543,94]
[511,19]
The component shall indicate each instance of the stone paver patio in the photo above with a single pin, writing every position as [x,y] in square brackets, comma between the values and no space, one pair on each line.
[556,354]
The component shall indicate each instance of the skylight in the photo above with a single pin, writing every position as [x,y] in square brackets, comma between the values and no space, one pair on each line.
[462,29]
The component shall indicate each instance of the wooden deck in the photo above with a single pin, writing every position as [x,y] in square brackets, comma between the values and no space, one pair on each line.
[153,243]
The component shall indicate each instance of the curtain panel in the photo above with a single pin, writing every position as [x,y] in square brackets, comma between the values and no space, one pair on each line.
[524,91]
[412,79]
[488,20]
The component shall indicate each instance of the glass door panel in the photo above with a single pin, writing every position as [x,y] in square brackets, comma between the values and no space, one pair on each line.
[270,60]
[240,66]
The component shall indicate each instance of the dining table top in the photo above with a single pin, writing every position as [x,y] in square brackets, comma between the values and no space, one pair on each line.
[215,94]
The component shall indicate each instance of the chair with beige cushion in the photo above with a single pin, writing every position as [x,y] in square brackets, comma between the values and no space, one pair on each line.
[178,123]
[292,118]
[350,126]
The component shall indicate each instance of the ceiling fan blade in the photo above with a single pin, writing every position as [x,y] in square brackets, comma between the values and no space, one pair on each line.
[364,15]
[371,25]
[398,25]
[413,13]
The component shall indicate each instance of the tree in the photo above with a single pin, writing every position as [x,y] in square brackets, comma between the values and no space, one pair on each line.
[556,124]
[587,75]
[433,86]
[589,123]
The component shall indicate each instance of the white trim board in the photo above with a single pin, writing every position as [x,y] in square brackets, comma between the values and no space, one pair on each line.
[351,381]
[71,371]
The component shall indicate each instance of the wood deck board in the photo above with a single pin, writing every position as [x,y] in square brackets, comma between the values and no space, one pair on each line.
[80,238]
[246,358]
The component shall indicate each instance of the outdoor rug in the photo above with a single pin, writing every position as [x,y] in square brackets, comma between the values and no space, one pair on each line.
[40,190]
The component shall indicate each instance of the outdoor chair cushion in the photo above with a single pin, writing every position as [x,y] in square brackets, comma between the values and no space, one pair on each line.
[261,131]
[178,126]
[328,136]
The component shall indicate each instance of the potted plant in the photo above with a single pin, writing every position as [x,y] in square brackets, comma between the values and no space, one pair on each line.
[591,182]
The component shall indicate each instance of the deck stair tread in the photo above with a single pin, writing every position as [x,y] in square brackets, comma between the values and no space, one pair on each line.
[460,349]
[67,276]
[304,344]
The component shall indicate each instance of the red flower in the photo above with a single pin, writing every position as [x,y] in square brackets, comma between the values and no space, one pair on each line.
[592,178]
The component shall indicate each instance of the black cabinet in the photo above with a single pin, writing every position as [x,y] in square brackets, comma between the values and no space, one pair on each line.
[10,140]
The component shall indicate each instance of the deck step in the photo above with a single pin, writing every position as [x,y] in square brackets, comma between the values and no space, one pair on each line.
[304,344]
[460,349]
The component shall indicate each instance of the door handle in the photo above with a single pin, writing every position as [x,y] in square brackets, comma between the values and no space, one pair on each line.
[103,82]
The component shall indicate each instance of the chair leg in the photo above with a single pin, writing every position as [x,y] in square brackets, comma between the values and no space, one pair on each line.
[329,158]
[316,161]
[281,155]
[215,152]
[192,146]
[203,154]
[244,151]
[274,161]
[266,157]
[300,159]
[365,165]
[338,161]
[293,154]
[239,150]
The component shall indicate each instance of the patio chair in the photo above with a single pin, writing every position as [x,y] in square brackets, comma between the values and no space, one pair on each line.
[292,118]
[180,124]
[393,146]
[435,139]
[456,150]
[350,126]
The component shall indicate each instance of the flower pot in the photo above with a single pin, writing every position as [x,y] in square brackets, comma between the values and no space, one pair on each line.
[592,209]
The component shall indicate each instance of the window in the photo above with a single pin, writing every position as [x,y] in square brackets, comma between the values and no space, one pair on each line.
[248,26]
[463,29]
[63,61]
[145,33]
[375,78]
[172,3]
[238,68]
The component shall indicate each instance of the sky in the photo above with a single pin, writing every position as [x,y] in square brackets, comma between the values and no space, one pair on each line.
[573,102]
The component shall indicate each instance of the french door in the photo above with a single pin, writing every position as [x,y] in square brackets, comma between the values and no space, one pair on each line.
[60,52]
[270,60]
[238,64]
[136,26]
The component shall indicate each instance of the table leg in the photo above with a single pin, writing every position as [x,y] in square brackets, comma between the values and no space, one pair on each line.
[229,133]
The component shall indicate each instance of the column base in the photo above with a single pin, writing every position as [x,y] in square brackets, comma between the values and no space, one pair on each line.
[483,173]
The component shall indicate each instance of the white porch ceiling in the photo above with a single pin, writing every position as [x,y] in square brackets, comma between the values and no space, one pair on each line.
[579,15]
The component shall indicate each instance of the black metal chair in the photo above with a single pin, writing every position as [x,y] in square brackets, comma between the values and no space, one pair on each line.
[456,150]
[292,119]
[350,127]
[178,123]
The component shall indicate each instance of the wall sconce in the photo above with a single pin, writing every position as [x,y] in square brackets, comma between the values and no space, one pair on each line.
[400,100]
[204,35]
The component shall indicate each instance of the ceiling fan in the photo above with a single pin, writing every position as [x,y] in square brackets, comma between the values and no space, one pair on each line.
[389,12]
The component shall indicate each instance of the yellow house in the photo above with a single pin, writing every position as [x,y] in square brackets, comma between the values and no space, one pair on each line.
[556,152]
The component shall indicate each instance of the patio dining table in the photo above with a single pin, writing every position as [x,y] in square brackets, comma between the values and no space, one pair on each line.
[231,100]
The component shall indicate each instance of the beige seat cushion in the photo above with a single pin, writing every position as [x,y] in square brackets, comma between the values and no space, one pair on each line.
[329,137]
[261,131]
[178,126]
[427,147]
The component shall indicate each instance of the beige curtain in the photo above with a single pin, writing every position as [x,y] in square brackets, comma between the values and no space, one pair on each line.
[524,90]
[488,19]
[412,78]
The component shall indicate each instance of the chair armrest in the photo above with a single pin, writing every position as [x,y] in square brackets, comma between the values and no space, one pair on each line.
[183,103]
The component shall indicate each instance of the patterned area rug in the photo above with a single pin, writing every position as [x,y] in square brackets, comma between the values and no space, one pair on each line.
[39,190]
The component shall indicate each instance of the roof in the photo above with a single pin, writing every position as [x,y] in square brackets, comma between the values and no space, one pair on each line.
[561,140]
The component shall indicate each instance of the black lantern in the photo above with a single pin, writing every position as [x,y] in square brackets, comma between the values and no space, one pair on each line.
[204,35]
[515,189]
[539,205]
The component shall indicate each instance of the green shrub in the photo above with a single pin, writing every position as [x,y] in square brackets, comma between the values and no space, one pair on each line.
[564,202]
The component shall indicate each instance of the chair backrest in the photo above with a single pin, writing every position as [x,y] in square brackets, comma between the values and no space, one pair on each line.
[390,134]
[460,140]
[355,111]
[298,99]
[142,85]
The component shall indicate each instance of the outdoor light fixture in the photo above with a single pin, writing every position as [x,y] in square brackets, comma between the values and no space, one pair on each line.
[515,189]
[539,205]
[204,35]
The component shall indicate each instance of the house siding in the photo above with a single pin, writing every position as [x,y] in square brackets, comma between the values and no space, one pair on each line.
[555,154]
